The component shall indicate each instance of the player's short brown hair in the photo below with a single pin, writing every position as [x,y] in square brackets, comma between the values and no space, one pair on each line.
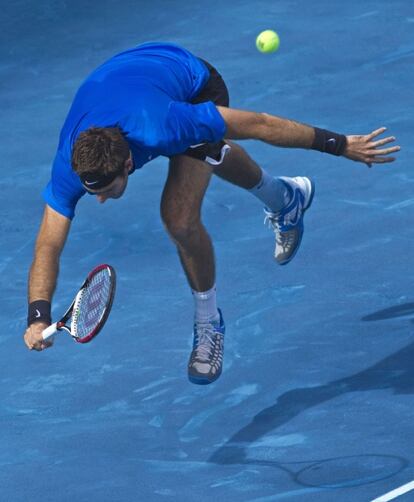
[100,150]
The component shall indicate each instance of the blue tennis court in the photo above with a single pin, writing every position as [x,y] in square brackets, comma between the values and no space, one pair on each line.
[316,397]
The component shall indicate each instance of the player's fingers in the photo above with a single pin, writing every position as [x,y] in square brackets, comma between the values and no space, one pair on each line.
[382,142]
[382,160]
[27,342]
[35,347]
[38,345]
[376,133]
[387,151]
[41,346]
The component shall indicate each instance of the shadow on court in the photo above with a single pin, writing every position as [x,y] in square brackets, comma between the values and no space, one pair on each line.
[406,309]
[395,372]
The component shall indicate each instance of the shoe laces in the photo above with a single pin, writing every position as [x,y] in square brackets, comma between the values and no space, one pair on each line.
[204,341]
[284,238]
[273,220]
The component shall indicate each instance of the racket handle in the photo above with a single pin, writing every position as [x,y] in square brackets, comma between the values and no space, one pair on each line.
[50,331]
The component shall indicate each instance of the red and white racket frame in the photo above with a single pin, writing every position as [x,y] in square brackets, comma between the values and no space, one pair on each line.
[61,325]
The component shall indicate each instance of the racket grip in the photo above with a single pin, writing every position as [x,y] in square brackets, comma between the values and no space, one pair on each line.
[50,331]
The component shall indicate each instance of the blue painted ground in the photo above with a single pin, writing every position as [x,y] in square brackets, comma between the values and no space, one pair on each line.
[316,400]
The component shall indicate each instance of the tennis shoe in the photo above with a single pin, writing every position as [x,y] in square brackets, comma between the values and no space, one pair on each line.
[287,223]
[206,358]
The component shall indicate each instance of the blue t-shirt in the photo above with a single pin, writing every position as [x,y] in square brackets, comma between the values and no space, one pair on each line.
[146,92]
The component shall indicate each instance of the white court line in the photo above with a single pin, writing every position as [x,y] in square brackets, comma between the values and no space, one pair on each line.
[395,493]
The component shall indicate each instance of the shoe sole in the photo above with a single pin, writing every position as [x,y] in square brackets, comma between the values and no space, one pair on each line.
[201,380]
[312,184]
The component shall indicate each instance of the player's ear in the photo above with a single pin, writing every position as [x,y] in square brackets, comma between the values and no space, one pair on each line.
[129,163]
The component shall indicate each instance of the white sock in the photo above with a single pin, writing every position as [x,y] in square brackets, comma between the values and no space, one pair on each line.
[205,303]
[272,192]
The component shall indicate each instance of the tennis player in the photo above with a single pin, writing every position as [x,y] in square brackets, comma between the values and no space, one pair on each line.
[158,99]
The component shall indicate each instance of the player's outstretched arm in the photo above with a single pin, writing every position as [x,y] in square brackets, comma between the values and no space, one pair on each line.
[43,275]
[287,133]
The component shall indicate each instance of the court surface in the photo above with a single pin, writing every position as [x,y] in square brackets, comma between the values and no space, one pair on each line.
[316,399]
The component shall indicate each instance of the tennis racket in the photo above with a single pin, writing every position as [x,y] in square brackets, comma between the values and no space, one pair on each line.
[89,311]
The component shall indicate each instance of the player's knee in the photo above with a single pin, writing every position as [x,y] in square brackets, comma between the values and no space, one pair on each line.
[181,228]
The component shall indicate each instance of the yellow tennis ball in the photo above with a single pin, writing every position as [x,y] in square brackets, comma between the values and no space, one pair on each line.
[267,41]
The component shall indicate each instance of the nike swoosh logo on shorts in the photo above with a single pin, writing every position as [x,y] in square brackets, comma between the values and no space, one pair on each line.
[91,182]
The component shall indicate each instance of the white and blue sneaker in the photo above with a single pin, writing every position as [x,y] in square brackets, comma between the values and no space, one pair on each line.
[288,222]
[206,359]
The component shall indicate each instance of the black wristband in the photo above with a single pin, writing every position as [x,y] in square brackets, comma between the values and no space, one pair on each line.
[39,311]
[329,142]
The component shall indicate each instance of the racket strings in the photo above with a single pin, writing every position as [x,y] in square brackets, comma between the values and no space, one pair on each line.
[91,304]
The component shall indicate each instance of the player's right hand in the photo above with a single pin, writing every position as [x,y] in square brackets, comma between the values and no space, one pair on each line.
[367,148]
[33,337]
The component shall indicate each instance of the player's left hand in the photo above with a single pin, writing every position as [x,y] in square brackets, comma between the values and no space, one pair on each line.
[368,149]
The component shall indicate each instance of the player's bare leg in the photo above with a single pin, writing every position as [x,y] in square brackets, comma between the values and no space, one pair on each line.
[239,168]
[181,202]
